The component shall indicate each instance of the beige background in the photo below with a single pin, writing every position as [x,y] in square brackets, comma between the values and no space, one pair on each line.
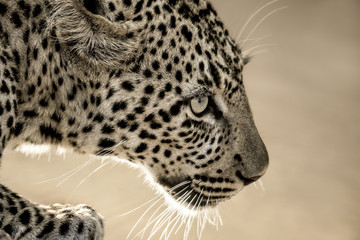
[305,94]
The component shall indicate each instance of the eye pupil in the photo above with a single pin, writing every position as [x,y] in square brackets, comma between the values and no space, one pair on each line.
[199,105]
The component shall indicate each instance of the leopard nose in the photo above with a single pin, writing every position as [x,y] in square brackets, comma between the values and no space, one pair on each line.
[246,180]
[250,167]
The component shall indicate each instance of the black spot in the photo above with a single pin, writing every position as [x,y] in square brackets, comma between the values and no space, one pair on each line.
[25,217]
[16,59]
[3,9]
[160,43]
[4,88]
[144,101]
[64,228]
[111,7]
[138,6]
[8,229]
[87,129]
[178,76]
[155,65]
[8,106]
[15,19]
[49,132]
[186,33]
[238,158]
[149,89]
[167,153]
[198,49]
[169,68]
[128,86]
[119,106]
[10,122]
[72,135]
[93,6]
[44,68]
[165,55]
[173,22]
[134,127]
[188,68]
[49,227]
[71,121]
[36,11]
[35,53]
[147,73]
[122,124]
[106,143]
[156,149]
[98,118]
[215,74]
[44,43]
[175,109]
[127,3]
[155,125]
[18,128]
[26,36]
[30,114]
[139,110]
[164,115]
[120,17]
[13,210]
[107,129]
[56,117]
[162,29]
[141,148]
[80,228]
[157,10]
[149,118]
[31,89]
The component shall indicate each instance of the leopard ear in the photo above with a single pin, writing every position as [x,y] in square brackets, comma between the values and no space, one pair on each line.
[80,27]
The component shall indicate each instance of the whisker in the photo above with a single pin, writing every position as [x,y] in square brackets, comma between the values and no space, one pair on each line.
[159,195]
[142,217]
[247,51]
[92,173]
[105,151]
[142,205]
[252,17]
[179,214]
[76,169]
[150,222]
[261,184]
[242,42]
[259,52]
[157,226]
[263,19]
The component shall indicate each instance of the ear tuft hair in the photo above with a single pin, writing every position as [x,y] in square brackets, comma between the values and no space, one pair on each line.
[92,37]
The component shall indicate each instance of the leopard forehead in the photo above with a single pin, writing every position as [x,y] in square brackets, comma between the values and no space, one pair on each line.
[118,78]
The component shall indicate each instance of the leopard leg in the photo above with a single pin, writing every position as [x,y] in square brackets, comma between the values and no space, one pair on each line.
[21,219]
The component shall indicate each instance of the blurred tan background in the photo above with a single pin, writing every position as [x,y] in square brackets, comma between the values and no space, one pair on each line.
[305,95]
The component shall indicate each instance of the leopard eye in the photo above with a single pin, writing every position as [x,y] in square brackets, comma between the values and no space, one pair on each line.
[199,104]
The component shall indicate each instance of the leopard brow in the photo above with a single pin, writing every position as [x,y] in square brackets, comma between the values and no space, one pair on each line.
[201,92]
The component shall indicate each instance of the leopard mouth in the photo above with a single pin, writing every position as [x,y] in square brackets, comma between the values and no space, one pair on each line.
[193,193]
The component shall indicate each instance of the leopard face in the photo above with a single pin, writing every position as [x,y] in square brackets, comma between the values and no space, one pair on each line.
[158,83]
[175,101]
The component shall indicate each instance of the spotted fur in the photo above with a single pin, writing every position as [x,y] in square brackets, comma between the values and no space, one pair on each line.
[116,78]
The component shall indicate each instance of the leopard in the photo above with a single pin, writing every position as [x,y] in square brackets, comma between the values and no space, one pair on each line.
[155,83]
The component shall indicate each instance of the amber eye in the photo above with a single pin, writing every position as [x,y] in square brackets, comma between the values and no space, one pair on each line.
[199,105]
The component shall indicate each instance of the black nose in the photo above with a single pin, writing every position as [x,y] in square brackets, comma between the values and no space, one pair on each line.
[245,180]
